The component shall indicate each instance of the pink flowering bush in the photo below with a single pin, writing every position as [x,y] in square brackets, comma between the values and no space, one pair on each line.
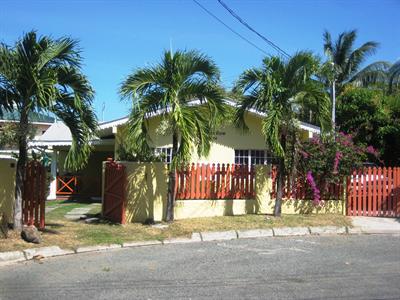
[326,162]
[314,188]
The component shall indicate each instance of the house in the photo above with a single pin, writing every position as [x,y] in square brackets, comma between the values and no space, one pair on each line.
[230,145]
[39,124]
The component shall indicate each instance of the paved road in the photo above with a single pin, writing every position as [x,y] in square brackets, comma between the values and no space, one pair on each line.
[347,267]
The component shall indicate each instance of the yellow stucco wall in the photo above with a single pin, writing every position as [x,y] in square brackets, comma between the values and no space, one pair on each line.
[222,150]
[147,196]
[146,191]
[7,189]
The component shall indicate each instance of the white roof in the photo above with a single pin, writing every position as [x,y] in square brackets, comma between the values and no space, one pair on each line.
[58,134]
[113,123]
[121,121]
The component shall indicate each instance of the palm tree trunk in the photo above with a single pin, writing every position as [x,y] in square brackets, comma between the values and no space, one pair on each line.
[279,186]
[172,180]
[280,180]
[21,165]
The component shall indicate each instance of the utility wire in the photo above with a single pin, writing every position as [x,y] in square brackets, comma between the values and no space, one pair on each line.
[236,16]
[227,26]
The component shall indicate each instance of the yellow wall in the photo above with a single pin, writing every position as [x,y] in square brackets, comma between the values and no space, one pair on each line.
[7,189]
[222,150]
[147,196]
[146,191]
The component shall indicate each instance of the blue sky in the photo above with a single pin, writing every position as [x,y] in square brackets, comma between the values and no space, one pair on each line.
[118,36]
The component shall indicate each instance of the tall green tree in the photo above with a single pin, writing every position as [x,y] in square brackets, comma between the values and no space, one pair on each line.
[40,74]
[169,89]
[279,89]
[373,118]
[344,61]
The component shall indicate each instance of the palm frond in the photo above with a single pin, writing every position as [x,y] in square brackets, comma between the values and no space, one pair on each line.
[169,88]
[371,74]
[328,47]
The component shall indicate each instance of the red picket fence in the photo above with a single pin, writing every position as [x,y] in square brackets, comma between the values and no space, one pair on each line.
[299,189]
[215,181]
[374,192]
[34,197]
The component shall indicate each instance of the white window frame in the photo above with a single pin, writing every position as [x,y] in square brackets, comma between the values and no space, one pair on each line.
[166,151]
[250,154]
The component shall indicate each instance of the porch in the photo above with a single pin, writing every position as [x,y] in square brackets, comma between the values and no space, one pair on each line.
[85,183]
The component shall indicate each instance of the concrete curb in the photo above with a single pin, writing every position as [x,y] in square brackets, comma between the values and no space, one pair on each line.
[141,243]
[291,231]
[327,230]
[218,235]
[364,230]
[45,252]
[11,257]
[254,233]
[98,248]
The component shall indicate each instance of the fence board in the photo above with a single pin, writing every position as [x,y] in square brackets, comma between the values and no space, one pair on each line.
[369,193]
[374,193]
[33,198]
[221,181]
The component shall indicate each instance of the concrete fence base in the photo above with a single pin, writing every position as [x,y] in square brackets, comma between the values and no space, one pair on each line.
[146,197]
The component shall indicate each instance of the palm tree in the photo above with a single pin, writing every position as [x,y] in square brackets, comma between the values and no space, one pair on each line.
[383,75]
[169,88]
[279,89]
[42,74]
[345,62]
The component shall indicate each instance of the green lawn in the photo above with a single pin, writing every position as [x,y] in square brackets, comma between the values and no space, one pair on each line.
[71,234]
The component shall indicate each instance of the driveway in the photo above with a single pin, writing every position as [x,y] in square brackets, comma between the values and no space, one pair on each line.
[375,224]
[346,267]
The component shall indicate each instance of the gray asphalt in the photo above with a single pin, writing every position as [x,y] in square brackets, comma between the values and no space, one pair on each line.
[344,267]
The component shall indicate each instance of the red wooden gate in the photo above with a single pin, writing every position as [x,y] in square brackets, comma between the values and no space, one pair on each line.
[374,192]
[67,185]
[114,192]
[33,199]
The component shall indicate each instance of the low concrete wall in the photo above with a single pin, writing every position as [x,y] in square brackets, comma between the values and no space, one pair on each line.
[147,187]
[7,189]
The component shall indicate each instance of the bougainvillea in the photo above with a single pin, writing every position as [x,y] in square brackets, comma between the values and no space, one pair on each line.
[314,188]
[327,161]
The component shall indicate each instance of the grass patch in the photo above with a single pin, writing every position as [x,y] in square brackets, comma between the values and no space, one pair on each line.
[71,234]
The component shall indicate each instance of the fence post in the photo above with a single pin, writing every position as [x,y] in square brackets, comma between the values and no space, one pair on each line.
[223,181]
[396,200]
[208,179]
[218,186]
[381,193]
[192,184]
[369,193]
[228,181]
[389,192]
[213,181]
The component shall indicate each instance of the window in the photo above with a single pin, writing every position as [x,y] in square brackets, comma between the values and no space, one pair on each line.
[252,157]
[164,153]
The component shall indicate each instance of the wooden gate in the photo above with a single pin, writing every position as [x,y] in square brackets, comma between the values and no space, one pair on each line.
[33,199]
[374,192]
[67,185]
[114,192]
